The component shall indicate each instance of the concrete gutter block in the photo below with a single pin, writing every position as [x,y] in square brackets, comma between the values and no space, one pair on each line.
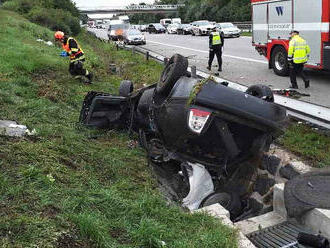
[259,222]
[215,210]
[318,221]
[278,200]
[219,212]
[244,242]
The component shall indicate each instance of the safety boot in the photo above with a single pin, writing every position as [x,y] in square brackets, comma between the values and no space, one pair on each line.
[89,77]
[294,86]
[306,83]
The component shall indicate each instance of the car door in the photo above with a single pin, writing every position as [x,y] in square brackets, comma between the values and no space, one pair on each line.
[104,111]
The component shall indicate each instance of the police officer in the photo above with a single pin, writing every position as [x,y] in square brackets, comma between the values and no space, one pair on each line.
[298,55]
[77,57]
[216,42]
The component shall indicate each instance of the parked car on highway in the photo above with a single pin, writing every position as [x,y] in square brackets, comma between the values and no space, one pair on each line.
[116,29]
[202,27]
[143,28]
[155,28]
[134,37]
[184,29]
[173,28]
[204,135]
[229,29]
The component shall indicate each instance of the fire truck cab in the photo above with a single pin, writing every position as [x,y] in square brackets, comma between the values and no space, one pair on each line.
[274,19]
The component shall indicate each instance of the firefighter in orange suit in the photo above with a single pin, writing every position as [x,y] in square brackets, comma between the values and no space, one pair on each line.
[76,54]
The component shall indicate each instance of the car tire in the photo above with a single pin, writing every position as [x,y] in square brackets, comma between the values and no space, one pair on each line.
[125,88]
[279,61]
[145,101]
[261,91]
[229,201]
[175,68]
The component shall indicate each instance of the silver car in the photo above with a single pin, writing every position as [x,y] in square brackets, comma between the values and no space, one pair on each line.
[134,37]
[202,27]
[229,29]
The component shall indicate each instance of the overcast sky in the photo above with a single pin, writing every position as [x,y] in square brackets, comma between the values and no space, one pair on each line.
[95,3]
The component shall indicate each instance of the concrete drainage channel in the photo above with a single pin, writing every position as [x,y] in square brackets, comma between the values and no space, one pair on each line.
[266,223]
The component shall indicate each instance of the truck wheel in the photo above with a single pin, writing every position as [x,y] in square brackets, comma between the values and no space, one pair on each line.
[175,68]
[125,88]
[279,61]
[261,91]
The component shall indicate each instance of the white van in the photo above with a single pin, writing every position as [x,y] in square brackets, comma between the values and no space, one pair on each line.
[176,20]
[165,22]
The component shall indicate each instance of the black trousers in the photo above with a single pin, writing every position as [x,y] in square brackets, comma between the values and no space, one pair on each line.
[297,69]
[77,68]
[215,51]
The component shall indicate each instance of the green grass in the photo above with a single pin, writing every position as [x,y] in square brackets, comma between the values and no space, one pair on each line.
[70,186]
[246,34]
[308,144]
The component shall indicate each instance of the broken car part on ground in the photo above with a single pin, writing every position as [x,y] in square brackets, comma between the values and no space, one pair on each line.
[204,138]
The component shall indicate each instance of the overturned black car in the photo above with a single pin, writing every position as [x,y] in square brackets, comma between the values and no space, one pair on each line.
[203,137]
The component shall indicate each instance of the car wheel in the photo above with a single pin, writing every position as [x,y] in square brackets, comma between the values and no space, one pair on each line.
[229,201]
[145,101]
[261,91]
[279,61]
[175,68]
[125,88]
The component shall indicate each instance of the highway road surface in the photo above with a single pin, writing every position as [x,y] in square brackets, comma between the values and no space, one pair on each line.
[241,63]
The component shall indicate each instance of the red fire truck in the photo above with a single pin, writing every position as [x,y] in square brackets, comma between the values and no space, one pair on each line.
[274,19]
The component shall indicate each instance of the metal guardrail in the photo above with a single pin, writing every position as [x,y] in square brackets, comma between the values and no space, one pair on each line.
[245,26]
[133,7]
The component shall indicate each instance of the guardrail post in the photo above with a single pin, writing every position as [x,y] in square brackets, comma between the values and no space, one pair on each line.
[147,55]
[193,71]
[133,50]
[117,46]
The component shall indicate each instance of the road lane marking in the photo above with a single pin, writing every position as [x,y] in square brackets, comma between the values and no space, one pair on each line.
[202,51]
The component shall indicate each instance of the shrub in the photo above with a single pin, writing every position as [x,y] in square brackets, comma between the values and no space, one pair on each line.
[12,5]
[54,14]
[55,19]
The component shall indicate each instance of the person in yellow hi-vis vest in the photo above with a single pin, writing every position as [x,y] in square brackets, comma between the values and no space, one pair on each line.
[77,58]
[216,42]
[298,55]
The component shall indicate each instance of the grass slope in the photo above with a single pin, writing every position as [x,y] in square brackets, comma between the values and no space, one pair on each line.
[70,186]
[308,144]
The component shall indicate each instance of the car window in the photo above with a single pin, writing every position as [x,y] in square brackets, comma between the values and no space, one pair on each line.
[158,26]
[118,26]
[133,32]
[227,25]
[203,23]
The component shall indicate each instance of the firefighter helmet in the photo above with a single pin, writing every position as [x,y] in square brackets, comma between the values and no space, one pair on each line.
[59,35]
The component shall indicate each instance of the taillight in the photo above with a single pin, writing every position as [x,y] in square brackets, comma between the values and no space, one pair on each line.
[198,119]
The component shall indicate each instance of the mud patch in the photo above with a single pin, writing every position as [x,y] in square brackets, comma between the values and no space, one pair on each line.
[48,87]
[69,163]
[67,240]
[50,212]
[120,235]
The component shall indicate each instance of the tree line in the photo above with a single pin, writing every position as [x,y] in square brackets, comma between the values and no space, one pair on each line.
[55,14]
[212,10]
